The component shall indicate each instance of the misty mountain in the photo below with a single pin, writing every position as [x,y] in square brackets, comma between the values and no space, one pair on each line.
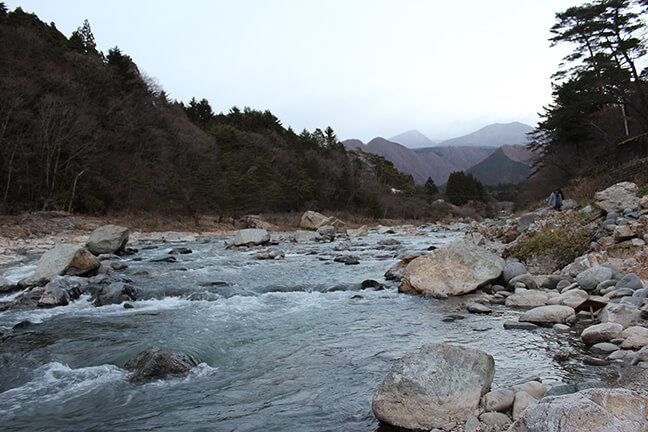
[495,135]
[414,139]
[496,165]
[499,168]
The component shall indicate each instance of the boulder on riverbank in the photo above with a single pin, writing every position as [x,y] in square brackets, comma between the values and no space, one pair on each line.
[154,363]
[433,386]
[251,236]
[65,259]
[617,198]
[455,269]
[107,239]
[595,410]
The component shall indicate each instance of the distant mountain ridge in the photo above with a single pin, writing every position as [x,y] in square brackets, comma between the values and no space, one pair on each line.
[414,139]
[494,135]
[500,158]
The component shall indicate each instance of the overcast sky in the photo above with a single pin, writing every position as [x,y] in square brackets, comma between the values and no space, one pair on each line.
[366,68]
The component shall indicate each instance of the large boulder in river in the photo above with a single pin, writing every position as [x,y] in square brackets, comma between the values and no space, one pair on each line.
[618,197]
[593,410]
[251,236]
[107,239]
[434,386]
[65,259]
[115,293]
[154,363]
[312,220]
[455,269]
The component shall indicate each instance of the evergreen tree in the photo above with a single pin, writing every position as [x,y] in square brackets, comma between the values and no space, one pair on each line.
[83,40]
[431,188]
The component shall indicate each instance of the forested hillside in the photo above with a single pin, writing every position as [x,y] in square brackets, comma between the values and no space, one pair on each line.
[86,131]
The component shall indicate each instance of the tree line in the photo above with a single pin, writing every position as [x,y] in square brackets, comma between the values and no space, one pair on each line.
[599,92]
[85,131]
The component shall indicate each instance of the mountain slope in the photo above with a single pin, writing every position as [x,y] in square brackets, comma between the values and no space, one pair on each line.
[495,135]
[413,139]
[498,168]
[461,158]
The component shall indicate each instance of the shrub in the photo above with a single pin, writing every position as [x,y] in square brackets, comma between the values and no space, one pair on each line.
[561,244]
[643,190]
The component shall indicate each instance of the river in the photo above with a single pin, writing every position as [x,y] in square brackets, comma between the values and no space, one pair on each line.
[278,349]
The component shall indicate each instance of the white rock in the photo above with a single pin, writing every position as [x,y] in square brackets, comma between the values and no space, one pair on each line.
[603,332]
[523,401]
[548,315]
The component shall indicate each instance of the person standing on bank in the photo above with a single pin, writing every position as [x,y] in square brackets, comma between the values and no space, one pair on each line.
[556,199]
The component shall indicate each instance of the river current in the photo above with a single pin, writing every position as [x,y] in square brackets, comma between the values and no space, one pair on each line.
[279,350]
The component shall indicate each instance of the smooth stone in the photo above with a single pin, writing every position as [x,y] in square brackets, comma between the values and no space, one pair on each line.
[478,308]
[525,279]
[498,400]
[631,281]
[632,301]
[641,293]
[535,388]
[561,328]
[523,401]
[495,419]
[603,348]
[516,325]
[512,270]
[528,299]
[549,315]
[591,277]
[601,333]
[626,315]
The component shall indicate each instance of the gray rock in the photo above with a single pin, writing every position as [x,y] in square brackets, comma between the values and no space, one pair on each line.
[516,325]
[595,410]
[115,293]
[434,386]
[326,231]
[311,220]
[302,236]
[632,301]
[6,286]
[513,269]
[153,364]
[472,424]
[619,292]
[631,281]
[534,388]
[347,259]
[359,232]
[65,259]
[641,293]
[604,332]
[523,401]
[606,286]
[251,236]
[60,291]
[626,315]
[526,220]
[495,419]
[528,299]
[562,284]
[618,197]
[478,308]
[552,281]
[590,278]
[107,239]
[548,315]
[603,348]
[525,279]
[454,269]
[498,400]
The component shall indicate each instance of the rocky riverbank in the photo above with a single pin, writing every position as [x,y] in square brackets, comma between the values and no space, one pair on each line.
[581,272]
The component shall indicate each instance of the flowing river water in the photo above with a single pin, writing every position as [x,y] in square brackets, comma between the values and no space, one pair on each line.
[279,349]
